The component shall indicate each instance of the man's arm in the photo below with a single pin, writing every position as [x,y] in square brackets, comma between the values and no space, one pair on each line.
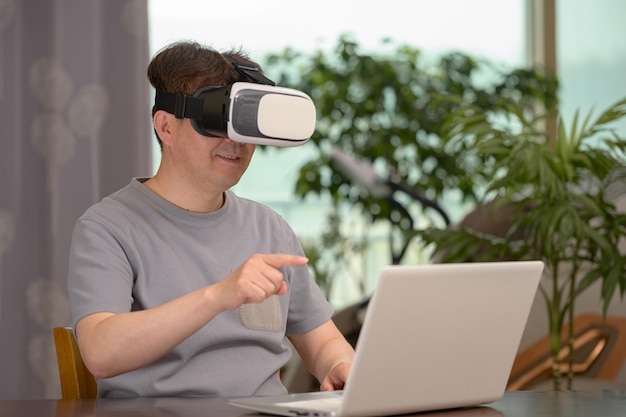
[326,354]
[112,344]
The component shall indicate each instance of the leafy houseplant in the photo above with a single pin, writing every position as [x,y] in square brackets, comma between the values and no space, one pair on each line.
[557,191]
[436,128]
[387,109]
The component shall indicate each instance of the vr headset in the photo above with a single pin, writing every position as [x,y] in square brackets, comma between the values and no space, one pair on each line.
[254,112]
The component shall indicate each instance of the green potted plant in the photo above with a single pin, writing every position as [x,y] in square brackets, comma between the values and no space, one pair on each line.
[387,109]
[554,189]
[435,128]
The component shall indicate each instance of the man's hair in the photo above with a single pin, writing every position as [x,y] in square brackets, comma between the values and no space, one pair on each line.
[184,67]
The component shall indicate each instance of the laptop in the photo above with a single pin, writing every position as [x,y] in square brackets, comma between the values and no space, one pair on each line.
[434,337]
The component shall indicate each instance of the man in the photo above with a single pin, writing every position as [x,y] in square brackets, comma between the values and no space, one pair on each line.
[177,286]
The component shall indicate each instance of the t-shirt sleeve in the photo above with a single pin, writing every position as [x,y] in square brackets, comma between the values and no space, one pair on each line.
[100,277]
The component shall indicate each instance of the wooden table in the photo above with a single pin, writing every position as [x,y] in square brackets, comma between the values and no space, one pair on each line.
[513,404]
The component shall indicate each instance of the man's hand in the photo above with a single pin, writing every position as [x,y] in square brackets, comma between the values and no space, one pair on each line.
[256,279]
[336,377]
[326,354]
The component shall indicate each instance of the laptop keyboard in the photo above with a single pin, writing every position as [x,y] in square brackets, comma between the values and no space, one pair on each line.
[320,404]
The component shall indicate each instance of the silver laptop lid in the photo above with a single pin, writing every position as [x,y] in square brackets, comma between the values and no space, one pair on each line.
[440,336]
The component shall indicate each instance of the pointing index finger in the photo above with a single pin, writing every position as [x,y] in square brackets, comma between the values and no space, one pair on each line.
[278,260]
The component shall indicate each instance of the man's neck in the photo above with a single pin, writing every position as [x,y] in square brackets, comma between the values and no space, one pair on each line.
[183,197]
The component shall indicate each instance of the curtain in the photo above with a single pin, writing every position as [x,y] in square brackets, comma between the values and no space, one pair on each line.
[74,127]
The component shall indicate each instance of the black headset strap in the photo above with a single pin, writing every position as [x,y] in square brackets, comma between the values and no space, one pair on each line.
[250,72]
[183,106]
[179,105]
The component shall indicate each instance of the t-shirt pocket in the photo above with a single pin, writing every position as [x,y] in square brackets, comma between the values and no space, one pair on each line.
[264,316]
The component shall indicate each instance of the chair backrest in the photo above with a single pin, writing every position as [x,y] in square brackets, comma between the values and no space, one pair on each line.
[76,380]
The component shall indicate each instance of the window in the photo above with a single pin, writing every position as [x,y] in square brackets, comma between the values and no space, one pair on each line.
[591,57]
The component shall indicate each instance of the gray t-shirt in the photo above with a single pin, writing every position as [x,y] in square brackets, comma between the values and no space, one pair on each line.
[134,250]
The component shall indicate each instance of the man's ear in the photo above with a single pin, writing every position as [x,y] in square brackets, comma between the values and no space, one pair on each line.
[162,121]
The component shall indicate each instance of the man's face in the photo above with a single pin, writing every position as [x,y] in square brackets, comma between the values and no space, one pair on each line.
[217,163]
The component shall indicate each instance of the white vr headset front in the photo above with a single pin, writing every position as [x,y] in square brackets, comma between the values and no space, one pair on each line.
[246,112]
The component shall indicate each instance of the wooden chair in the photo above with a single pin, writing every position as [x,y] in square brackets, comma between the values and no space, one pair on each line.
[76,380]
[599,353]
